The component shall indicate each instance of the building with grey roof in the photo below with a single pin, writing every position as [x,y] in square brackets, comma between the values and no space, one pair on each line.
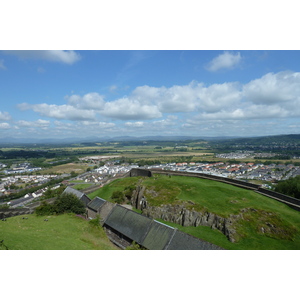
[158,237]
[81,196]
[184,241]
[129,223]
[94,206]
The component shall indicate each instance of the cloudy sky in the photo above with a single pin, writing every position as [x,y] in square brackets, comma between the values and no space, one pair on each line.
[114,93]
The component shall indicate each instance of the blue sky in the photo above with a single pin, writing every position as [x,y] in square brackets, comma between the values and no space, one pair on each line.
[62,94]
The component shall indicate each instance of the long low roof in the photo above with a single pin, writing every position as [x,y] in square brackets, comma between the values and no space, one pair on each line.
[129,223]
[96,203]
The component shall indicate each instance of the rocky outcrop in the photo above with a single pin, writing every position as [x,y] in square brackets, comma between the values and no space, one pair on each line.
[137,199]
[179,214]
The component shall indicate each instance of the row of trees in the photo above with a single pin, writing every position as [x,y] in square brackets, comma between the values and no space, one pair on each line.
[290,187]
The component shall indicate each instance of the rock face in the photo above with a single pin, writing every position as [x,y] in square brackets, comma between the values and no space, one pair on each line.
[180,215]
[137,199]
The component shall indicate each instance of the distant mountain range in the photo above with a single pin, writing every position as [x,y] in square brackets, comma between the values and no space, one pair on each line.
[93,139]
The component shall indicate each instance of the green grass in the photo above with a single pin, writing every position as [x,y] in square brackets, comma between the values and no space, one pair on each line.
[81,186]
[62,232]
[116,185]
[224,200]
[252,241]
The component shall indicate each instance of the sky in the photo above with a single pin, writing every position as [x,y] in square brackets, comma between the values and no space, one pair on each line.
[67,93]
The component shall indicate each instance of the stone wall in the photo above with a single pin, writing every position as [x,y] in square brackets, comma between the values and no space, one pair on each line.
[12,212]
[140,172]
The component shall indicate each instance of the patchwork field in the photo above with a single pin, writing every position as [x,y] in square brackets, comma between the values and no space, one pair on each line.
[224,200]
[62,232]
[66,168]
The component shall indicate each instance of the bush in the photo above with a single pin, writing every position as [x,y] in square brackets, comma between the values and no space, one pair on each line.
[118,197]
[68,203]
[44,209]
[95,222]
[64,203]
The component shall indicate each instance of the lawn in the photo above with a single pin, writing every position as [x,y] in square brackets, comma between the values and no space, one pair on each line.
[81,186]
[62,232]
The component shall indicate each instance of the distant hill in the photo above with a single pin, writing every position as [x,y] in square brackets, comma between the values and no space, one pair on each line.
[93,139]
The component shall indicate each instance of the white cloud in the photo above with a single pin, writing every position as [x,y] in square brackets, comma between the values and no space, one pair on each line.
[59,112]
[135,124]
[273,88]
[173,99]
[67,57]
[4,126]
[226,60]
[2,65]
[198,107]
[218,96]
[189,98]
[98,125]
[88,101]
[130,109]
[39,123]
[4,116]
[169,121]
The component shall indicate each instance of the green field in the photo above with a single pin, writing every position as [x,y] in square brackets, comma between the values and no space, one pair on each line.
[62,232]
[223,200]
[81,186]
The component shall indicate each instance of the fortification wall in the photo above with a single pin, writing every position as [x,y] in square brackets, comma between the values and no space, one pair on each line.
[290,201]
[12,212]
[140,172]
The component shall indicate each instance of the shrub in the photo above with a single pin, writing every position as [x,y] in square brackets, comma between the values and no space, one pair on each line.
[95,222]
[64,203]
[44,209]
[68,203]
[117,196]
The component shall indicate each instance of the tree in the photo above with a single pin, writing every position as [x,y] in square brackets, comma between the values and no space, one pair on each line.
[68,203]
[64,203]
[289,187]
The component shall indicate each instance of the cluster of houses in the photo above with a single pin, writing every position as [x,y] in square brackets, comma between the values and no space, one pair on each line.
[98,158]
[272,172]
[114,170]
[22,168]
[2,165]
[23,179]
[19,180]
[244,154]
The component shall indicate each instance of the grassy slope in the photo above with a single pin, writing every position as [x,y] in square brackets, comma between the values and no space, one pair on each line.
[81,186]
[221,199]
[63,232]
